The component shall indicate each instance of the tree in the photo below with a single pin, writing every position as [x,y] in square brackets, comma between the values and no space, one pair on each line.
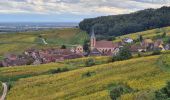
[164,35]
[86,47]
[118,90]
[124,53]
[140,38]
[111,38]
[164,93]
[63,47]
[117,25]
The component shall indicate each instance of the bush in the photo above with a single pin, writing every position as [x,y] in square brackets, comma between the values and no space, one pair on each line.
[59,70]
[118,90]
[123,54]
[90,62]
[88,74]
[164,93]
[63,47]
[156,52]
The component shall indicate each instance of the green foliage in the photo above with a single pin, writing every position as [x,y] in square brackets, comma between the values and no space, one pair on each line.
[140,38]
[156,52]
[105,37]
[164,62]
[123,54]
[86,47]
[59,70]
[119,90]
[164,35]
[90,62]
[63,47]
[164,93]
[88,74]
[117,25]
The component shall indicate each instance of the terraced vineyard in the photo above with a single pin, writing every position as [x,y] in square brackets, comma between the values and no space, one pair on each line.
[143,75]
[146,34]
[15,73]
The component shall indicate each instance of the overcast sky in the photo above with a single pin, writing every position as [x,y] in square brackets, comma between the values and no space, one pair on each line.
[69,10]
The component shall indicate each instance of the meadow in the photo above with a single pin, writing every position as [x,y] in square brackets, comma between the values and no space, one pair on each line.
[143,75]
[18,42]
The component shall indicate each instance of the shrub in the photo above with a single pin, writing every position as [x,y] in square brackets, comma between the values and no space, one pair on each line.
[63,47]
[90,62]
[164,93]
[164,35]
[88,74]
[156,52]
[139,54]
[59,70]
[118,90]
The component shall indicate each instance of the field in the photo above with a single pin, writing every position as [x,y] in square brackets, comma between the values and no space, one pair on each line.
[146,34]
[18,42]
[142,74]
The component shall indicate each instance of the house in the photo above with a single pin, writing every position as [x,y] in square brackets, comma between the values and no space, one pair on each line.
[167,47]
[79,49]
[127,40]
[103,46]
[158,44]
[95,52]
[147,44]
[137,48]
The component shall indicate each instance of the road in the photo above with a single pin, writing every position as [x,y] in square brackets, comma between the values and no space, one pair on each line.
[5,87]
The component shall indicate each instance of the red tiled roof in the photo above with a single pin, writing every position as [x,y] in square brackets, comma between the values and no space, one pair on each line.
[105,44]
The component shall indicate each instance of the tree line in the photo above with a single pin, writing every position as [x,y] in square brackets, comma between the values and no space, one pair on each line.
[116,25]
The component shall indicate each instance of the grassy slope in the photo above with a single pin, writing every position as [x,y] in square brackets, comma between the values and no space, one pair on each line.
[18,42]
[15,73]
[1,88]
[146,34]
[140,74]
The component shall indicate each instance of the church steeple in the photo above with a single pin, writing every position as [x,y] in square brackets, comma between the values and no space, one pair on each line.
[93,39]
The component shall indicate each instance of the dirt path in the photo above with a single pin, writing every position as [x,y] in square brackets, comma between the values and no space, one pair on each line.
[5,87]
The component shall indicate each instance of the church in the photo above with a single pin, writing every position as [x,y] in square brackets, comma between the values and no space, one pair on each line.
[102,47]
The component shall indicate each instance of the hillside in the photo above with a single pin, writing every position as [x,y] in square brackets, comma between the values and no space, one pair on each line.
[117,25]
[143,75]
[152,34]
[18,42]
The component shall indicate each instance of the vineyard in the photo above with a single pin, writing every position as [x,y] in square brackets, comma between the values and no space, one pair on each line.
[143,75]
[18,42]
[15,73]
[146,34]
[1,88]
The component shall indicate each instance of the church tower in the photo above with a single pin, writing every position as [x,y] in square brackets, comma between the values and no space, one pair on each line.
[92,40]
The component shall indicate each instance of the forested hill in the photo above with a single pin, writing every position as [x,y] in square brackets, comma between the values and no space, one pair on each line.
[116,25]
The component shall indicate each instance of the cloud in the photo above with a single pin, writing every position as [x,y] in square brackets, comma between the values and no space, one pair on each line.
[78,7]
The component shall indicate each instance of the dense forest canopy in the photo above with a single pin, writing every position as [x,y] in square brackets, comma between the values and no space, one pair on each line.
[116,25]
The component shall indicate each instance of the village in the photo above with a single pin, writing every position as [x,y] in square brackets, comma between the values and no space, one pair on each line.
[97,48]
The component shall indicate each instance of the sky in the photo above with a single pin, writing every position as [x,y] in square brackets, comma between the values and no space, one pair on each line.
[70,10]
